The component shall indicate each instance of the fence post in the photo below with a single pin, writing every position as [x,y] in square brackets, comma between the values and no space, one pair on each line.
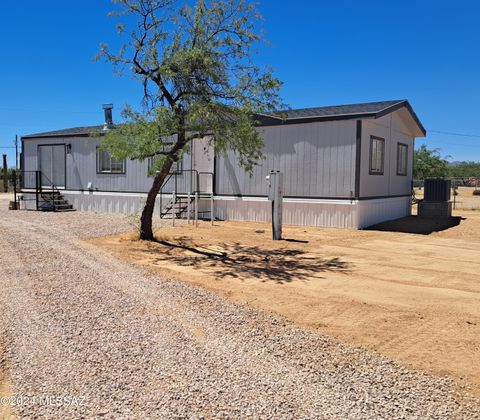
[5,174]
[14,182]
[454,194]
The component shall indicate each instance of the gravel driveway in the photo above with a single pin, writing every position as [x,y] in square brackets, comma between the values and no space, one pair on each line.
[76,323]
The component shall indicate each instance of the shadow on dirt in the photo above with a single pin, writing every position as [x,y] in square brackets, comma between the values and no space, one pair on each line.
[418,225]
[240,261]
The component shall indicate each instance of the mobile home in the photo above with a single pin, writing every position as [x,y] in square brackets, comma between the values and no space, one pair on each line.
[344,166]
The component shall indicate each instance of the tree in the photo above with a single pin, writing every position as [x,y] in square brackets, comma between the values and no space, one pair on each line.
[428,163]
[464,170]
[195,65]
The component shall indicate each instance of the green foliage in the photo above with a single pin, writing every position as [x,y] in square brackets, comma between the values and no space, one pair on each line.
[428,163]
[195,67]
[464,170]
[141,136]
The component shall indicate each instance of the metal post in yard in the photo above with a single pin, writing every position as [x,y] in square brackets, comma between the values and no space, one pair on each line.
[275,195]
[196,208]
[197,191]
[211,208]
[5,174]
[188,208]
[174,201]
[38,184]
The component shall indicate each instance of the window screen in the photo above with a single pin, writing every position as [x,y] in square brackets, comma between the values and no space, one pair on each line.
[107,165]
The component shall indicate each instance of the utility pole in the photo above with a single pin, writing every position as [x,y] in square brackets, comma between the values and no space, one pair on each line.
[5,174]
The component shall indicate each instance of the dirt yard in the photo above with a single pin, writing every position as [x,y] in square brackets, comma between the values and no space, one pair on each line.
[412,297]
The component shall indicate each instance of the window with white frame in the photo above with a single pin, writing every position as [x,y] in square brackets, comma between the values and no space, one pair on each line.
[402,159]
[377,155]
[108,165]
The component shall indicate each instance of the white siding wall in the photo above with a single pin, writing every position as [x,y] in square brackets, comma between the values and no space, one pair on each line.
[82,167]
[317,159]
[393,130]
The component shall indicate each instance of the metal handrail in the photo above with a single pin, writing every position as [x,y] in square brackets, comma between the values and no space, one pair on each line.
[38,187]
[21,180]
[54,189]
[194,189]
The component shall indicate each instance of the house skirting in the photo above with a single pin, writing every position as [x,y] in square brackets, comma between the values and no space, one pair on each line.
[353,214]
[339,213]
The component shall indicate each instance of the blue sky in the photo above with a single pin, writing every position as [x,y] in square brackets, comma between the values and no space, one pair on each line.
[326,53]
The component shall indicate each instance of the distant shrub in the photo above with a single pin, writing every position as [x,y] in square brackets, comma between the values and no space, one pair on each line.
[476,192]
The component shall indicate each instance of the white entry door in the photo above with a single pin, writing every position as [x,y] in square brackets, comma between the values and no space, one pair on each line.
[202,161]
[52,165]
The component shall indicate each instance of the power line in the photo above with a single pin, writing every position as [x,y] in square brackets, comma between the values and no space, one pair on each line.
[441,143]
[48,110]
[449,133]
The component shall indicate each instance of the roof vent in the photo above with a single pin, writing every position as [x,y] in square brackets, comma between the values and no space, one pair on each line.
[107,108]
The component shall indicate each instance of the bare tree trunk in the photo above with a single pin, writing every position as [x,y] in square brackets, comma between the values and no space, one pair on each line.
[146,230]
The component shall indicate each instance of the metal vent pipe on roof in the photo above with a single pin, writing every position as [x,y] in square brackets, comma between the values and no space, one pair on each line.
[107,108]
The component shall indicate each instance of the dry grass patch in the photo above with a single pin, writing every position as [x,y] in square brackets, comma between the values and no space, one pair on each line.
[414,298]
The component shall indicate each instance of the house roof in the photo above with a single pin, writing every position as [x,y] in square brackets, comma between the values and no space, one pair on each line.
[293,116]
[341,112]
[67,132]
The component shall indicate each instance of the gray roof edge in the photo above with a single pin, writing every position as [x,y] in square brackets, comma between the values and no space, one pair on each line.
[394,106]
[68,132]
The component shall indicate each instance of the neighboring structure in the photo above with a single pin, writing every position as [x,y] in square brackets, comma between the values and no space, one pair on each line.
[344,166]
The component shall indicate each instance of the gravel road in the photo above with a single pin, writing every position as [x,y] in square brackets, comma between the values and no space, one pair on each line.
[126,344]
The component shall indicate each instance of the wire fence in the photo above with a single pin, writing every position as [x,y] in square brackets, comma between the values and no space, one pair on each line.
[465,192]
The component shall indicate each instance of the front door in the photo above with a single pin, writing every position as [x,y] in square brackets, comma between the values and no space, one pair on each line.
[203,162]
[52,165]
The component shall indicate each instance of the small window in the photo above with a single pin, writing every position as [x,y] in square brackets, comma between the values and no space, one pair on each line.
[402,159]
[176,168]
[107,165]
[377,155]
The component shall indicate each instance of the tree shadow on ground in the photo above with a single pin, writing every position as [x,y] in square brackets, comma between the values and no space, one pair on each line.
[240,261]
[418,225]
